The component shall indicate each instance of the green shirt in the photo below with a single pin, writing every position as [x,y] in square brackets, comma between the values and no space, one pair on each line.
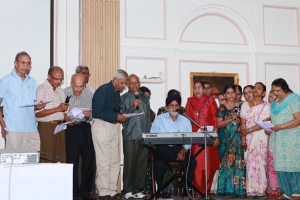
[137,124]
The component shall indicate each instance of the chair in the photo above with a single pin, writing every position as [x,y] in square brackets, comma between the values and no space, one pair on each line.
[177,170]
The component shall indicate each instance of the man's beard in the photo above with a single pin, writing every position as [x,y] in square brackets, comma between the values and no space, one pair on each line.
[173,113]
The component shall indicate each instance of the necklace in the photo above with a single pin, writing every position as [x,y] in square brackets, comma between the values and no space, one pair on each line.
[257,103]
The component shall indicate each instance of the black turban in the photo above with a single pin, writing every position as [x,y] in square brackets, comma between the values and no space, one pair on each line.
[173,97]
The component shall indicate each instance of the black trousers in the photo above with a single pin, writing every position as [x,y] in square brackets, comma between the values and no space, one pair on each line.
[79,142]
[169,154]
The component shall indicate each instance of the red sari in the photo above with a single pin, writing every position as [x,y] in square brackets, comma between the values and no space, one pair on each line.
[203,110]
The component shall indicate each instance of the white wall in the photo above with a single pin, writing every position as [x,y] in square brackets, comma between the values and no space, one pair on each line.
[25,26]
[259,40]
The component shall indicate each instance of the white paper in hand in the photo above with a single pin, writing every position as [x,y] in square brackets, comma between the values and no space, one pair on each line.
[76,113]
[132,114]
[265,125]
[61,127]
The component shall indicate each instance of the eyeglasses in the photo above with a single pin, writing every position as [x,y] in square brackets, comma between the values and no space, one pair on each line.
[273,91]
[57,79]
[198,88]
[208,87]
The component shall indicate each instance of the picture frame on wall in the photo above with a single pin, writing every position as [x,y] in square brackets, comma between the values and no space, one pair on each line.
[217,79]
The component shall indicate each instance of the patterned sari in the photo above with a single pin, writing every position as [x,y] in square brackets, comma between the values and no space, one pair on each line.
[257,149]
[232,172]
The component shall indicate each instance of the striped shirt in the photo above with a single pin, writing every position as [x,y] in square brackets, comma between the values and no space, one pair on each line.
[84,100]
[45,93]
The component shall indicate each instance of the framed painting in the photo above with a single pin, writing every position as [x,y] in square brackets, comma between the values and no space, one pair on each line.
[219,80]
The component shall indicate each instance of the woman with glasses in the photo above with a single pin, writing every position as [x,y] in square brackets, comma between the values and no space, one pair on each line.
[285,138]
[255,141]
[202,109]
[231,180]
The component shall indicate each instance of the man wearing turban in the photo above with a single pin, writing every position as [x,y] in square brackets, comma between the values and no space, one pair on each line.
[172,122]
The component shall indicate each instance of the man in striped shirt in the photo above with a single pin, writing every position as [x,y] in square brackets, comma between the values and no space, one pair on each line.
[79,137]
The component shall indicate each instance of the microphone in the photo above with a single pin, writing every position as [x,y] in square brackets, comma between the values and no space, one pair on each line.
[180,111]
[236,107]
[68,98]
[137,97]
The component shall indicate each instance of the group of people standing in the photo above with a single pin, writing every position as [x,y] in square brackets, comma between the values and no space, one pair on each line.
[248,158]
[256,162]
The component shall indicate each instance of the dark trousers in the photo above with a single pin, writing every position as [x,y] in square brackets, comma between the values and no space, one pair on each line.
[79,142]
[169,154]
[135,166]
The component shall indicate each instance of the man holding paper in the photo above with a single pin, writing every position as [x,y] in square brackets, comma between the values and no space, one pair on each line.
[16,90]
[79,136]
[52,115]
[106,113]
[135,156]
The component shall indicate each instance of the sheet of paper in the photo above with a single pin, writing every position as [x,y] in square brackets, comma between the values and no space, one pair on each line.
[76,113]
[265,125]
[132,114]
[30,105]
[62,126]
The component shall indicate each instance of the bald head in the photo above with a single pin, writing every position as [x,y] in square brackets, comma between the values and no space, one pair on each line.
[78,84]
[78,77]
[133,83]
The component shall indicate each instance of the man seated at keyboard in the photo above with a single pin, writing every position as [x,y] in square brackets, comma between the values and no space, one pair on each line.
[172,122]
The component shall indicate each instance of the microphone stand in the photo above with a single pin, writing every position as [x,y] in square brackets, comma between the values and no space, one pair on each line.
[205,148]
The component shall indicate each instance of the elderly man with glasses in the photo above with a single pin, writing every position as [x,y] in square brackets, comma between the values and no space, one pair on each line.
[17,89]
[52,145]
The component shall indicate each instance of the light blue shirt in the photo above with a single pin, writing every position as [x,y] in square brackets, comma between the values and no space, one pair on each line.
[16,93]
[163,123]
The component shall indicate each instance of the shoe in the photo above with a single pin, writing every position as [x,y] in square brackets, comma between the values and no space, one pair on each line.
[138,195]
[128,195]
[107,197]
[117,196]
[282,197]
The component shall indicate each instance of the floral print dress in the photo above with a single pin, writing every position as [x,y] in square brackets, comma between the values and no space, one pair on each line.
[231,179]
[257,149]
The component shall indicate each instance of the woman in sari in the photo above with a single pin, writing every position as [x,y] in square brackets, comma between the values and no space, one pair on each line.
[231,180]
[255,141]
[285,139]
[202,109]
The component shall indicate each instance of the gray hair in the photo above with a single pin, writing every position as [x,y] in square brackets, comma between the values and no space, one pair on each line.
[120,74]
[78,69]
[22,53]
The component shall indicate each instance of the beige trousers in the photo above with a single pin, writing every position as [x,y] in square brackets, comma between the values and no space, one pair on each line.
[106,144]
[23,140]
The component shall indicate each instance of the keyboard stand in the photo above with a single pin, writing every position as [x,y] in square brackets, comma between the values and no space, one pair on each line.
[176,173]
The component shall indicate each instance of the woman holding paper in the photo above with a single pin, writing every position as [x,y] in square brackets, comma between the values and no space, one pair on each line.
[285,138]
[255,141]
[231,180]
